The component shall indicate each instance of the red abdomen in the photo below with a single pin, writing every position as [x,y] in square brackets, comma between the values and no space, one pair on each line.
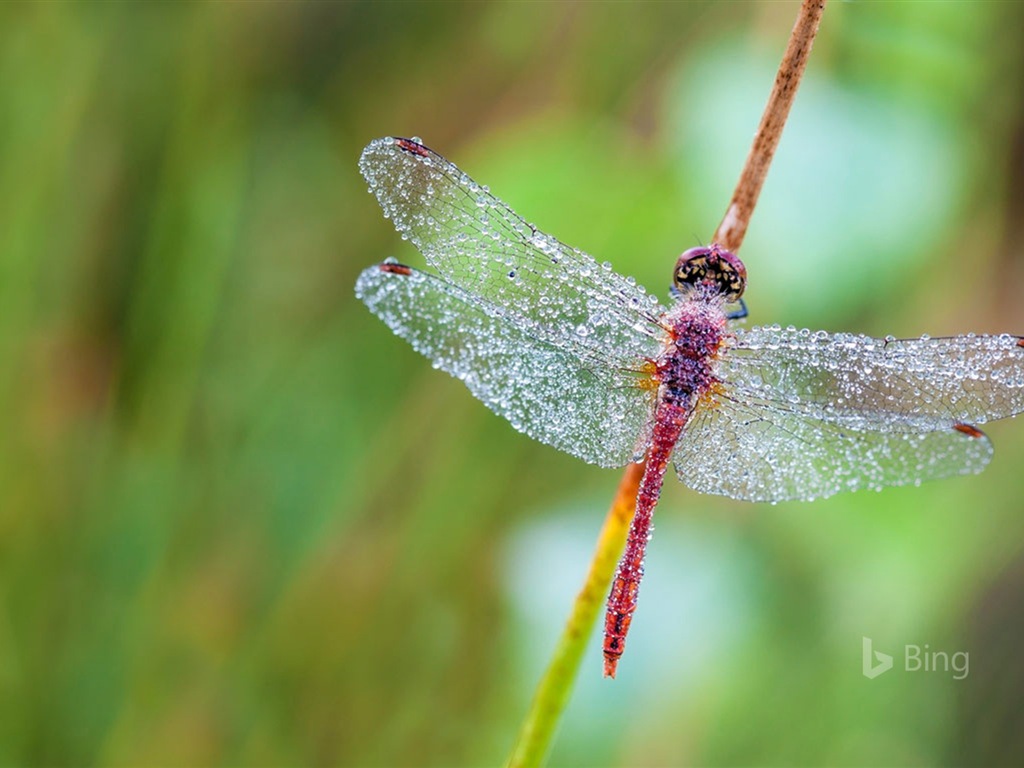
[685,372]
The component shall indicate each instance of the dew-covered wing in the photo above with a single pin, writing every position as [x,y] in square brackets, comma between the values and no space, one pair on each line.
[756,452]
[903,385]
[800,415]
[479,244]
[594,411]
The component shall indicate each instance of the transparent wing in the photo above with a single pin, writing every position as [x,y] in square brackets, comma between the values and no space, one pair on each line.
[598,413]
[905,385]
[479,244]
[798,415]
[755,451]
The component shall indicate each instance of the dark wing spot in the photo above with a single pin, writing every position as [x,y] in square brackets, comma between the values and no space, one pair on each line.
[394,268]
[412,147]
[968,430]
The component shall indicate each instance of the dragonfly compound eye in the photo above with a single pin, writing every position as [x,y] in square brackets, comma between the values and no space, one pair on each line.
[711,267]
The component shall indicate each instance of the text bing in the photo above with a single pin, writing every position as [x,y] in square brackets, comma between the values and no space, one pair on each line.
[920,659]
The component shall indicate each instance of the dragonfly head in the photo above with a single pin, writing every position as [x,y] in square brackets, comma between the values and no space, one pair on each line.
[712,268]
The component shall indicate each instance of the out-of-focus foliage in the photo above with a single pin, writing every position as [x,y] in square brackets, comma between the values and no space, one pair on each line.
[242,524]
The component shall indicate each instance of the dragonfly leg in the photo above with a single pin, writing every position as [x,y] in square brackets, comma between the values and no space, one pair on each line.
[740,312]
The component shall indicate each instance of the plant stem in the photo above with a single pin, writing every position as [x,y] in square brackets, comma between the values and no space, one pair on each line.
[553,692]
[733,229]
[555,686]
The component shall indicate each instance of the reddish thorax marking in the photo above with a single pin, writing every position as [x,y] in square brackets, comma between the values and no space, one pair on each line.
[412,146]
[968,429]
[684,374]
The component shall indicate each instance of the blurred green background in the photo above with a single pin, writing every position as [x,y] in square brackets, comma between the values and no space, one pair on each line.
[243,524]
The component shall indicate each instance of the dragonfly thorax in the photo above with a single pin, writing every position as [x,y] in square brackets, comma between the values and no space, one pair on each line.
[696,330]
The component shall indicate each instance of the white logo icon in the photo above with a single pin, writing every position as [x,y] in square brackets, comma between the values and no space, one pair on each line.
[871,671]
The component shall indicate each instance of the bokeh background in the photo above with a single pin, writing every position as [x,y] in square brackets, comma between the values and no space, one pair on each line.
[242,524]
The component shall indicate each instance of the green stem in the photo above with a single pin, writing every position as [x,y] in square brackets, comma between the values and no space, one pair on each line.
[555,687]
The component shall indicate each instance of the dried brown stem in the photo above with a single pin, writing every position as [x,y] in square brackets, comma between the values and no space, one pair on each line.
[733,229]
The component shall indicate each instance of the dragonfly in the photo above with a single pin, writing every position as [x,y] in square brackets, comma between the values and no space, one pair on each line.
[584,359]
